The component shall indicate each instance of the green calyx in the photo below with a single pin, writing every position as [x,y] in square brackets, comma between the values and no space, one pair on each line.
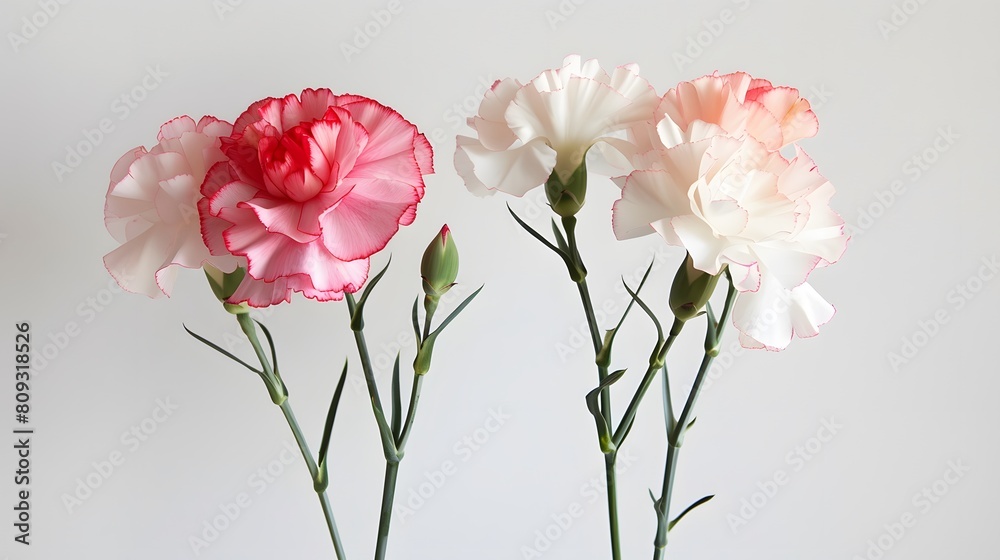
[567,198]
[224,285]
[691,290]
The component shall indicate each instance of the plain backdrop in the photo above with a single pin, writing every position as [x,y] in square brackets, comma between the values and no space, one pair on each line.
[861,440]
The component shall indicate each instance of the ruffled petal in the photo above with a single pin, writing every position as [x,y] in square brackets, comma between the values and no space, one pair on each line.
[367,218]
[771,316]
[515,171]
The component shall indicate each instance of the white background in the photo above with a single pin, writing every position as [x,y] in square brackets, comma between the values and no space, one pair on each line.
[883,96]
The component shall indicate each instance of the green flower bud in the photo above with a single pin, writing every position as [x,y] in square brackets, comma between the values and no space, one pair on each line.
[691,290]
[567,198]
[224,285]
[439,266]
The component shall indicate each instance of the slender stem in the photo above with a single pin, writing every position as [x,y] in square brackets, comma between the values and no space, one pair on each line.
[300,439]
[609,471]
[246,324]
[675,437]
[392,469]
[388,444]
[663,504]
[392,449]
[286,409]
[385,517]
[647,380]
[404,435]
[602,372]
[324,501]
[430,306]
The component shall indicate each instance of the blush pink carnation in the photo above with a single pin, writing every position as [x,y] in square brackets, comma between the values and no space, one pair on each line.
[151,207]
[737,105]
[315,184]
[733,204]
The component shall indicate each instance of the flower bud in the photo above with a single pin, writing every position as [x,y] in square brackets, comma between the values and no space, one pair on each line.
[691,290]
[567,198]
[224,285]
[439,266]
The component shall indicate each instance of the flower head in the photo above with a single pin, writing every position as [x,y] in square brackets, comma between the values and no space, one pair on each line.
[736,105]
[151,206]
[529,132]
[315,184]
[732,203]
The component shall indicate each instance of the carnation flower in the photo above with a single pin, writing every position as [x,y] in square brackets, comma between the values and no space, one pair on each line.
[529,132]
[736,105]
[315,184]
[151,207]
[732,203]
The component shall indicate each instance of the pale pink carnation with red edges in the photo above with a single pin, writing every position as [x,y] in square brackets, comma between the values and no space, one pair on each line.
[315,184]
[151,206]
[735,104]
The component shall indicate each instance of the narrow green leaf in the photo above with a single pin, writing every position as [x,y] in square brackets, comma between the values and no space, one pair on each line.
[274,356]
[357,318]
[270,343]
[711,333]
[223,352]
[560,240]
[604,356]
[686,511]
[331,415]
[537,235]
[397,401]
[455,313]
[593,405]
[416,320]
[649,312]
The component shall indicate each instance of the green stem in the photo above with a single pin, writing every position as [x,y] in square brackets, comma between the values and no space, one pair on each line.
[609,470]
[569,223]
[392,449]
[663,504]
[430,306]
[385,517]
[248,327]
[404,435]
[388,445]
[324,501]
[675,437]
[626,424]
